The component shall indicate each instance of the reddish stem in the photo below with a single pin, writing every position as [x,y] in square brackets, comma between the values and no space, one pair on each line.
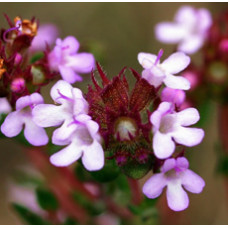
[136,193]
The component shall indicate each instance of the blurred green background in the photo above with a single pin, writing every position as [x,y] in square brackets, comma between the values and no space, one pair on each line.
[120,31]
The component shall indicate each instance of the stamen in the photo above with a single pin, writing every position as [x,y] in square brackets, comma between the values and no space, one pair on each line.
[17,27]
[160,53]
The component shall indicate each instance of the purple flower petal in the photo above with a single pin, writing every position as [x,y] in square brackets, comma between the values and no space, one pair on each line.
[47,115]
[177,82]
[153,187]
[192,44]
[13,124]
[188,136]
[176,196]
[176,62]
[169,32]
[29,100]
[66,156]
[93,156]
[192,182]
[70,45]
[81,63]
[205,19]
[60,91]
[163,145]
[168,165]
[146,60]
[5,106]
[188,116]
[69,75]
[154,76]
[35,135]
[182,163]
[186,15]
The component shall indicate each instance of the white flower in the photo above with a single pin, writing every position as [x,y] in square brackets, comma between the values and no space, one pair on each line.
[156,73]
[170,127]
[189,29]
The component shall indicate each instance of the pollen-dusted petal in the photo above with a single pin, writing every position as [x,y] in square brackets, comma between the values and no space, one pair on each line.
[13,124]
[93,156]
[177,82]
[192,182]
[69,75]
[176,63]
[34,134]
[61,87]
[188,136]
[191,44]
[81,63]
[176,196]
[67,155]
[48,115]
[70,45]
[188,116]
[169,32]
[147,60]
[163,145]
[153,187]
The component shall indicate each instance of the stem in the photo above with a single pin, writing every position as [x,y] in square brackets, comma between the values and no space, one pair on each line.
[136,193]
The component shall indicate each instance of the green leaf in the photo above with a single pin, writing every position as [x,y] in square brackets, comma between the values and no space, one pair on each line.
[70,221]
[37,57]
[28,216]
[46,199]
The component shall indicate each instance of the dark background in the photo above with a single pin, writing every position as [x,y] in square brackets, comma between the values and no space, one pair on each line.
[121,30]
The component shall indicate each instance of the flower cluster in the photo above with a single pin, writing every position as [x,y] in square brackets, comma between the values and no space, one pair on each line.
[142,128]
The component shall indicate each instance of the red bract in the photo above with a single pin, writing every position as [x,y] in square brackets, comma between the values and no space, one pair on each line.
[122,115]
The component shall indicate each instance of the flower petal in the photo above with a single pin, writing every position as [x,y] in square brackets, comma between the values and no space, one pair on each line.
[168,165]
[176,196]
[154,76]
[187,16]
[182,163]
[147,60]
[188,116]
[29,100]
[170,32]
[93,156]
[70,45]
[5,106]
[67,155]
[153,186]
[13,124]
[60,88]
[192,44]
[176,62]
[192,182]
[69,75]
[81,63]
[177,82]
[34,134]
[188,136]
[48,115]
[163,145]
[204,19]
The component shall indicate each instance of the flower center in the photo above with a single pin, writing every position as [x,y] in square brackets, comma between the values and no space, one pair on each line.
[125,128]
[167,124]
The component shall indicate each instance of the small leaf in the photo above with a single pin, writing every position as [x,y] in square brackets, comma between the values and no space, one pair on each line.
[37,57]
[46,199]
[28,216]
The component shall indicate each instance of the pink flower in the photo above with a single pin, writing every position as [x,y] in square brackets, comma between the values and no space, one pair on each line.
[189,29]
[77,130]
[170,127]
[15,121]
[156,73]
[5,106]
[46,34]
[175,175]
[175,96]
[65,59]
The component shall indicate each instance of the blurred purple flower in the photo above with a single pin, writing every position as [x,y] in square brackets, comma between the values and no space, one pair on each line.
[15,121]
[174,174]
[170,127]
[156,73]
[65,59]
[5,106]
[189,29]
[46,34]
